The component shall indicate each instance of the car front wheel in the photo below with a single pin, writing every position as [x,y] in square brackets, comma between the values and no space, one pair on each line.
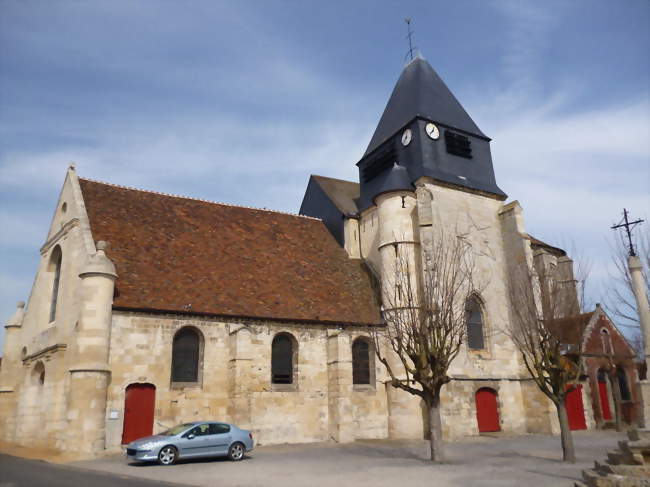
[236,451]
[167,455]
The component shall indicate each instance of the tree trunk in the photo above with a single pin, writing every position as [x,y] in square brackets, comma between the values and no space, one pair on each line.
[435,428]
[616,395]
[568,452]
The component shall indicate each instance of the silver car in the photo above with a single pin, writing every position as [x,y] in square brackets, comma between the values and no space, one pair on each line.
[192,440]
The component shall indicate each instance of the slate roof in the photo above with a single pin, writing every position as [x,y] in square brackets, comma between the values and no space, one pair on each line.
[342,193]
[172,252]
[421,92]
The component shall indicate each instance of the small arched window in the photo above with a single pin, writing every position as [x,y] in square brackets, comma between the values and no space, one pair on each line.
[361,361]
[186,355]
[474,318]
[606,341]
[55,268]
[282,359]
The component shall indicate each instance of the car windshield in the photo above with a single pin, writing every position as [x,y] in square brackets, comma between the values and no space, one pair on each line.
[179,428]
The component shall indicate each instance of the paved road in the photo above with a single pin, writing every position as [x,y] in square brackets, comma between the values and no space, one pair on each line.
[19,472]
[499,461]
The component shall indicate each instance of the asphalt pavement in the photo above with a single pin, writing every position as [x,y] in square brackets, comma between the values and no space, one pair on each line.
[19,472]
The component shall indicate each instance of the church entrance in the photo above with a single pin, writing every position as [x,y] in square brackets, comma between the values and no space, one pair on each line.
[603,394]
[487,410]
[139,403]
[575,409]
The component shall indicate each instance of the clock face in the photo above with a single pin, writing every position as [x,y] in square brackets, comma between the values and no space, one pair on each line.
[406,137]
[432,131]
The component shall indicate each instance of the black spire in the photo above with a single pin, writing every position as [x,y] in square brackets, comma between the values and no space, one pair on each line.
[421,92]
[454,150]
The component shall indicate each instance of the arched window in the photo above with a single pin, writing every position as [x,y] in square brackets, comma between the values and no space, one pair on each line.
[474,318]
[622,384]
[606,341]
[361,361]
[186,355]
[283,351]
[55,267]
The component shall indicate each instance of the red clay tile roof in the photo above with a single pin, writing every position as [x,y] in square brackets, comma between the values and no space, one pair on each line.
[171,252]
[572,328]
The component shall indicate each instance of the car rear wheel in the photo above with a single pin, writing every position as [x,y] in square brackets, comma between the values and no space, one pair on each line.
[236,451]
[168,455]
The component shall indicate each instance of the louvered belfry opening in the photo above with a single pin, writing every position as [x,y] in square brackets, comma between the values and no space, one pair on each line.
[185,356]
[474,318]
[360,361]
[282,360]
[458,145]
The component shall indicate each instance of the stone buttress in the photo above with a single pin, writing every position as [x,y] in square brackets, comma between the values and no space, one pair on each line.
[90,373]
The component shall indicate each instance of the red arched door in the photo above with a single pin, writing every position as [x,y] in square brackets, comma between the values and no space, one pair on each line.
[139,403]
[575,409]
[604,396]
[487,412]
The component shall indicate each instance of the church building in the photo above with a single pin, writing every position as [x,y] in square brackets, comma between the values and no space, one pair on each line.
[151,309]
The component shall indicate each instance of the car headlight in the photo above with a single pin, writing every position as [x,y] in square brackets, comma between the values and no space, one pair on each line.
[147,446]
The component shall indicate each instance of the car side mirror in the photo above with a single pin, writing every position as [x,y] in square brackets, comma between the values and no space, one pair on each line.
[190,436]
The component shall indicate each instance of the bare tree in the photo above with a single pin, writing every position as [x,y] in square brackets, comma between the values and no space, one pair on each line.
[425,319]
[541,303]
[619,296]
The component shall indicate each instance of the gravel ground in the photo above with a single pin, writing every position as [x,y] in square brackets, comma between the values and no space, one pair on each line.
[530,461]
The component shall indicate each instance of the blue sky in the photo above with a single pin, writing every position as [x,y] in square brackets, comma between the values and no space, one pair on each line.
[239,102]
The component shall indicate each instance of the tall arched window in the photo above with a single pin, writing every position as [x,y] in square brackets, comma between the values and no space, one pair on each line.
[55,267]
[361,361]
[474,318]
[186,355]
[622,384]
[282,359]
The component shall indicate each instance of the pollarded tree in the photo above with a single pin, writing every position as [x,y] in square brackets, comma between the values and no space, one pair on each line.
[424,311]
[542,305]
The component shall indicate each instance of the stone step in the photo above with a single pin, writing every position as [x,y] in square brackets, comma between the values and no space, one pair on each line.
[625,481]
[633,452]
[625,470]
[614,457]
[633,434]
[594,479]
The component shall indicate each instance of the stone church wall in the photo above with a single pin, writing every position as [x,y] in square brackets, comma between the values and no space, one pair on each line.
[236,380]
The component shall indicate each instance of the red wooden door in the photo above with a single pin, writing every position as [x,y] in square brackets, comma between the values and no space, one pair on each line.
[575,409]
[487,412]
[604,401]
[139,403]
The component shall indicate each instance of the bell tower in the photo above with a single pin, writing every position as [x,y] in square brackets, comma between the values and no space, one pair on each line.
[424,131]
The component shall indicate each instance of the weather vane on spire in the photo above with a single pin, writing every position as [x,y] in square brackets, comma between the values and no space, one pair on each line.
[410,38]
[628,225]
